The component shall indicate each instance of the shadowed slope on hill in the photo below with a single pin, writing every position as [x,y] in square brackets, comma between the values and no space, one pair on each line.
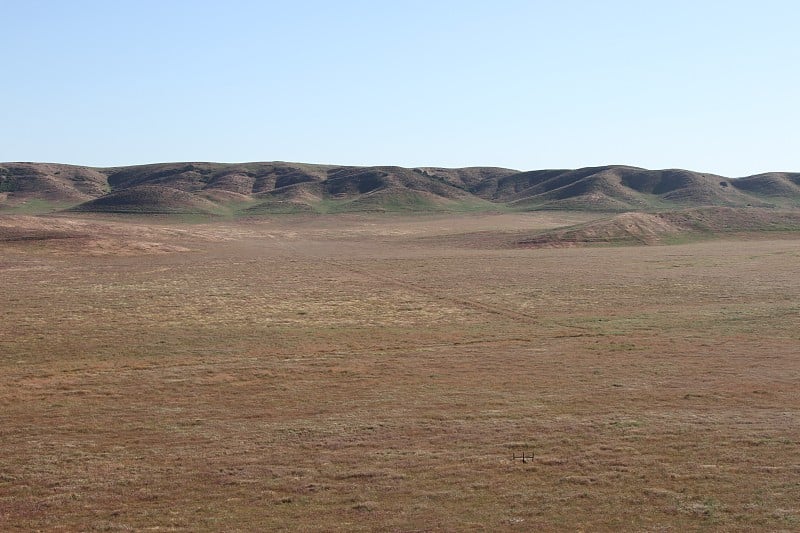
[48,185]
[615,188]
[289,187]
[781,188]
[278,187]
[150,199]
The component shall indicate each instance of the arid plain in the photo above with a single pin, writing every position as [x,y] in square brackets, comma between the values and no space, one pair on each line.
[379,372]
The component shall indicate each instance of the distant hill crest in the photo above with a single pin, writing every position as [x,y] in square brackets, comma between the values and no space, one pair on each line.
[280,187]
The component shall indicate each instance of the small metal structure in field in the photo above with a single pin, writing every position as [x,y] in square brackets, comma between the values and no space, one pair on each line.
[524,458]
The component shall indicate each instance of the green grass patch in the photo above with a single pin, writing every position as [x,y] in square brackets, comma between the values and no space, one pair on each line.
[35,207]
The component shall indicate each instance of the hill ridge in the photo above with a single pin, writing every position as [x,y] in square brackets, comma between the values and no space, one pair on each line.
[279,187]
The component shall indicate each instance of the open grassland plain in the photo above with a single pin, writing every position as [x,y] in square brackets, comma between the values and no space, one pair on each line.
[358,373]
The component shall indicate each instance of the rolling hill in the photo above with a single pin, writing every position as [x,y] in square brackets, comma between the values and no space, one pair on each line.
[279,187]
[668,226]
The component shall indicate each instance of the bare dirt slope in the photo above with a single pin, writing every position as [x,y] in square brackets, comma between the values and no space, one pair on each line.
[363,373]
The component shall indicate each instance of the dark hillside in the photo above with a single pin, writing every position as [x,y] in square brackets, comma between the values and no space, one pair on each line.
[47,183]
[280,187]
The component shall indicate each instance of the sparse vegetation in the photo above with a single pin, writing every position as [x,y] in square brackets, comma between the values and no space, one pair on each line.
[278,188]
[376,372]
[8,183]
[669,227]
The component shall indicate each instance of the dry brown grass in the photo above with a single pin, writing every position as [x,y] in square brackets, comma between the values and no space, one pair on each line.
[357,373]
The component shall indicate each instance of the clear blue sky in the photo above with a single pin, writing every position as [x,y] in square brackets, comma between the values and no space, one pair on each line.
[711,86]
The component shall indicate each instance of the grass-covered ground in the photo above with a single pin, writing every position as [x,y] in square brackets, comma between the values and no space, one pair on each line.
[379,372]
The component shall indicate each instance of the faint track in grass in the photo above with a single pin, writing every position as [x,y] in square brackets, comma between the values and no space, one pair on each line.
[512,314]
[248,363]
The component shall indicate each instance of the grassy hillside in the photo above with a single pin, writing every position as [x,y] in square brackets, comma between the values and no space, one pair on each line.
[150,199]
[278,187]
[36,187]
[620,188]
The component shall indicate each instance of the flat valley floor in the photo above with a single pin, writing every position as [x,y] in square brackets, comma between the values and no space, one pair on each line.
[378,373]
